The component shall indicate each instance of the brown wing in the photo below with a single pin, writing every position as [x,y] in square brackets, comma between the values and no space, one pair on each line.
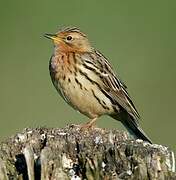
[115,87]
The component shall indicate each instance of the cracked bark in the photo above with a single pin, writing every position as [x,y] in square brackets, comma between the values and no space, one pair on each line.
[70,153]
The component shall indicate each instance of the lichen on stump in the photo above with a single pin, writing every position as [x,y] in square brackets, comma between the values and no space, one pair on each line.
[71,153]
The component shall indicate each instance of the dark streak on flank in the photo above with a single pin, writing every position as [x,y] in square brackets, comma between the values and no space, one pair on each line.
[70,70]
[69,80]
[87,77]
[76,80]
[76,69]
[64,77]
[104,103]
[75,73]
[105,92]
[99,101]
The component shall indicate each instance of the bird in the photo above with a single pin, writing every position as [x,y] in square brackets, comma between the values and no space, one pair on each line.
[85,79]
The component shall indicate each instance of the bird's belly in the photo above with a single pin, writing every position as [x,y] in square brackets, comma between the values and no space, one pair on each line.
[85,97]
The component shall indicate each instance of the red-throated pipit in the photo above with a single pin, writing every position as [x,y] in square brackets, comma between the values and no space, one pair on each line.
[87,82]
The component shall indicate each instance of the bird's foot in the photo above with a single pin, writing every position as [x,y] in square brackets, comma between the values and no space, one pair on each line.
[89,125]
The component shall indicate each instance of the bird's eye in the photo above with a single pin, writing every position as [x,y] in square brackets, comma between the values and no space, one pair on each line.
[69,38]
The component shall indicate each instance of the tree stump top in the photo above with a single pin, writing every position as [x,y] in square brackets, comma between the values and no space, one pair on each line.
[70,153]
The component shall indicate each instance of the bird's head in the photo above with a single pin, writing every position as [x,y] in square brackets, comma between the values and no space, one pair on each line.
[70,40]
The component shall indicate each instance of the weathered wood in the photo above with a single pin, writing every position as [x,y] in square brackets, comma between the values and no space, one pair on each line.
[69,153]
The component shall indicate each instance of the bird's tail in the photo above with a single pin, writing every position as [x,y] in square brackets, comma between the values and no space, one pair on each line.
[133,128]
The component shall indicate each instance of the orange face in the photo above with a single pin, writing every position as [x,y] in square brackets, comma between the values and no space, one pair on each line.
[70,41]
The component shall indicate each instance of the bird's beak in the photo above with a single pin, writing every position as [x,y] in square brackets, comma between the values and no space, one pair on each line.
[50,36]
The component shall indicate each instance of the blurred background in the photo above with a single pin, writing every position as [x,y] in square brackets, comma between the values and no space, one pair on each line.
[138,37]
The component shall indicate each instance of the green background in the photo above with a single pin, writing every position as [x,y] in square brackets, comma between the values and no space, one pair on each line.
[138,37]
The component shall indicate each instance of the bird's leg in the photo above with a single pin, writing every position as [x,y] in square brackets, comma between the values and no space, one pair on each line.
[89,125]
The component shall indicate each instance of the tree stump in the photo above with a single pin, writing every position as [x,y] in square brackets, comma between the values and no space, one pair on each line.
[71,153]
